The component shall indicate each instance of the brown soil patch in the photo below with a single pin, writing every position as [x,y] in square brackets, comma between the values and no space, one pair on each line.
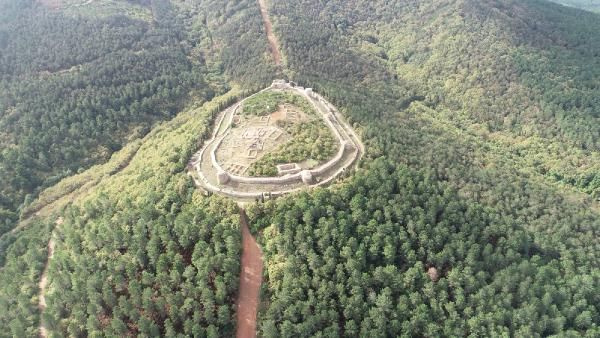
[273,43]
[433,274]
[279,115]
[250,281]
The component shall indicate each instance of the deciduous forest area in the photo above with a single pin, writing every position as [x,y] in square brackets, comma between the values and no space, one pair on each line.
[474,211]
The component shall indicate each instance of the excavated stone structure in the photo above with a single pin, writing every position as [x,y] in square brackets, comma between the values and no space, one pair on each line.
[210,174]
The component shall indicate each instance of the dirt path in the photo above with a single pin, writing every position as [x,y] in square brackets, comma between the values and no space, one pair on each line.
[44,282]
[273,43]
[250,281]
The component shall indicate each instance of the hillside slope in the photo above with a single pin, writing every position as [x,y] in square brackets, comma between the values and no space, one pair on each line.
[218,50]
[523,75]
[75,87]
[463,104]
[139,252]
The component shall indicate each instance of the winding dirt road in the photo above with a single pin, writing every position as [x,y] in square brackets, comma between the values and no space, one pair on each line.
[250,281]
[273,42]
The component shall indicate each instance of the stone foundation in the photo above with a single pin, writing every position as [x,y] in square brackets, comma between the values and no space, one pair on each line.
[307,177]
[232,180]
[222,177]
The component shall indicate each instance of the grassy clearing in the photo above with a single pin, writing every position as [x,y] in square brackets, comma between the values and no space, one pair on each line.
[268,102]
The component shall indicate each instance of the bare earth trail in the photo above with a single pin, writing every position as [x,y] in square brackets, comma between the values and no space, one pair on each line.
[250,281]
[273,43]
[44,282]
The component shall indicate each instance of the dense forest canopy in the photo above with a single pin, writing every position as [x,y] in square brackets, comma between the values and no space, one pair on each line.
[141,252]
[492,99]
[522,74]
[353,263]
[108,82]
[74,88]
[474,211]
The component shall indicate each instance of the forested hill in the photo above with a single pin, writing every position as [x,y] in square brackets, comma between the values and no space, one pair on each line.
[491,104]
[79,79]
[474,211]
[521,74]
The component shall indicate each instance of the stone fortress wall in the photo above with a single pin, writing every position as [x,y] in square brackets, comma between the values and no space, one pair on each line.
[350,149]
